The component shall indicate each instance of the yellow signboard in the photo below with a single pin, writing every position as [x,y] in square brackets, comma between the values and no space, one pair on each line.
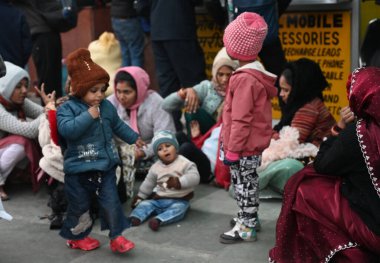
[210,38]
[321,36]
[324,37]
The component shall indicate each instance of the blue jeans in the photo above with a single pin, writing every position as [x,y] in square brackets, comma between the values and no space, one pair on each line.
[130,34]
[166,210]
[79,190]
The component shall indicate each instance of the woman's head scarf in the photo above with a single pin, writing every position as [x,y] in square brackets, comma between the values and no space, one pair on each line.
[364,98]
[142,81]
[308,82]
[8,84]
[222,59]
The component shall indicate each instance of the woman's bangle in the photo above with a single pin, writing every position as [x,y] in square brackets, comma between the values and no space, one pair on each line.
[335,130]
[181,93]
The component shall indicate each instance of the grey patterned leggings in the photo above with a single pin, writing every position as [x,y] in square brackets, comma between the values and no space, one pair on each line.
[246,186]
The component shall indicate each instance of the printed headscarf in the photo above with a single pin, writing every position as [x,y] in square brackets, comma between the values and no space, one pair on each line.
[364,99]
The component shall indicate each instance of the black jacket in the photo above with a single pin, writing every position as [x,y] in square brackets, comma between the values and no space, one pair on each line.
[32,10]
[173,20]
[342,156]
[122,9]
[15,40]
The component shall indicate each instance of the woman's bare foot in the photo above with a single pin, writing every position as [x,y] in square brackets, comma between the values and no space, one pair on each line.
[3,194]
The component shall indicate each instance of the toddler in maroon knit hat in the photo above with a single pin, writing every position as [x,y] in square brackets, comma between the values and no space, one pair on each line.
[86,126]
[84,73]
[247,120]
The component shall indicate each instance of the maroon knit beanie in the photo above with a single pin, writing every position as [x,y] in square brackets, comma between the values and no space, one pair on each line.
[244,37]
[84,73]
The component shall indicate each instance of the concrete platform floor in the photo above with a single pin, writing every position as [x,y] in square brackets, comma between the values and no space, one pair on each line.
[27,238]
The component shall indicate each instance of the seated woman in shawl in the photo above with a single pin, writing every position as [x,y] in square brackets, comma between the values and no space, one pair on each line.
[141,109]
[302,108]
[331,209]
[17,133]
[203,121]
[209,93]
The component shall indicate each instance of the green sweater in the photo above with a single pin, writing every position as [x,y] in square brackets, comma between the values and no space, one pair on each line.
[209,99]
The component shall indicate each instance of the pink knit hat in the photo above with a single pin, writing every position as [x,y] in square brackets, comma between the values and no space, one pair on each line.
[244,37]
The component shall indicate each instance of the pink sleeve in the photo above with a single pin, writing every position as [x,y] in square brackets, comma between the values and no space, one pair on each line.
[232,156]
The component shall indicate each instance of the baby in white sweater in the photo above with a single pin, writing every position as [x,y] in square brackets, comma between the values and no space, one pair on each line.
[168,186]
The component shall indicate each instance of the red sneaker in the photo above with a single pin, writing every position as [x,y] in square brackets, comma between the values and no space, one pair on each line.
[86,244]
[121,244]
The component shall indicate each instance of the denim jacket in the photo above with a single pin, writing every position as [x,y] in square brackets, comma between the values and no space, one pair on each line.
[88,143]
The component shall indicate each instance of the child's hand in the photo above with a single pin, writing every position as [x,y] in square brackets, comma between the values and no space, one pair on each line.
[136,200]
[195,129]
[173,182]
[61,100]
[140,143]
[94,111]
[139,154]
[275,135]
[46,98]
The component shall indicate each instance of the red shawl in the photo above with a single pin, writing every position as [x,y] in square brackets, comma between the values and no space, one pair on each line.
[33,153]
[222,172]
[319,225]
[9,106]
[309,230]
[364,96]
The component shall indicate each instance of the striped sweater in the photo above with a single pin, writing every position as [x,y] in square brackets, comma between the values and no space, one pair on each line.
[313,122]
